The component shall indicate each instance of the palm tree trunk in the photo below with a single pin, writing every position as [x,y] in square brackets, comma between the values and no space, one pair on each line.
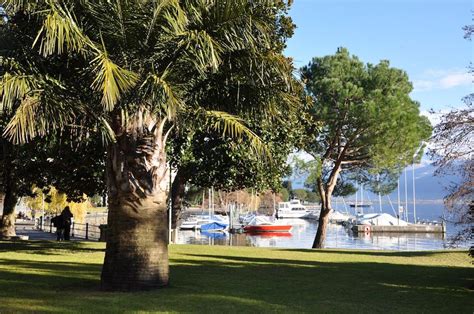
[136,256]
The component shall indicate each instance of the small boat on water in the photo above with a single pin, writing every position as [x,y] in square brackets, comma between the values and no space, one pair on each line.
[216,234]
[264,224]
[384,223]
[270,234]
[214,226]
[293,209]
[379,219]
[196,222]
[338,217]
[245,219]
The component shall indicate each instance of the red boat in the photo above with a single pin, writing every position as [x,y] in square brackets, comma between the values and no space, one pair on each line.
[270,234]
[263,224]
[267,228]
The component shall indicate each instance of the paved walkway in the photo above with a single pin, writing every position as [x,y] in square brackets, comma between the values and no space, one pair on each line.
[27,228]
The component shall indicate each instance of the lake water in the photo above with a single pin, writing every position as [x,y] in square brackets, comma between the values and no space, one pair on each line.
[303,233]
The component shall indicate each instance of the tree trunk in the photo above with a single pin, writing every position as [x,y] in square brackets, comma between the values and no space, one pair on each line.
[136,256]
[325,191]
[323,221]
[7,223]
[177,195]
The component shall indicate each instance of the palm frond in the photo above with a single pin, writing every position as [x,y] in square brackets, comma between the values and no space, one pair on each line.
[241,26]
[234,127]
[175,21]
[23,125]
[36,106]
[201,48]
[111,80]
[60,33]
[163,93]
[16,5]
[108,135]
[40,113]
[12,88]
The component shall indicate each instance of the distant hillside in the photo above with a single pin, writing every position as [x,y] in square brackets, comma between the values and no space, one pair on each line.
[428,186]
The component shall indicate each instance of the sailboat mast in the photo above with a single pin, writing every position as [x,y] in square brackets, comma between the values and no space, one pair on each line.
[213,204]
[203,199]
[398,197]
[209,207]
[406,196]
[380,195]
[414,193]
[355,206]
[345,206]
[274,205]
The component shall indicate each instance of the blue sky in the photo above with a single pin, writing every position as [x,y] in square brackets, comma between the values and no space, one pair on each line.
[423,37]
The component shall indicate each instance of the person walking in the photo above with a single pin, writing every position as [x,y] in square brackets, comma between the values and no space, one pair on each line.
[58,222]
[67,216]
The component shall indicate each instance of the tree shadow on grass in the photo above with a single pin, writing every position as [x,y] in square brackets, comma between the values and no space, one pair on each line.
[375,252]
[47,247]
[217,283]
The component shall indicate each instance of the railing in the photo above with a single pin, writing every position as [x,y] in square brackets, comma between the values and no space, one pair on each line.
[85,231]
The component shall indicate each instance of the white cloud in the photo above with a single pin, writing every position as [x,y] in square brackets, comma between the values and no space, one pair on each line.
[423,85]
[455,79]
[433,79]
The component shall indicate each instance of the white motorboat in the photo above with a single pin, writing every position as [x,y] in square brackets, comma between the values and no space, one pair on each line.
[293,209]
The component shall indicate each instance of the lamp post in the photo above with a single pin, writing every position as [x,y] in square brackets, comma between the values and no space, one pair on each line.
[42,211]
[170,207]
[413,180]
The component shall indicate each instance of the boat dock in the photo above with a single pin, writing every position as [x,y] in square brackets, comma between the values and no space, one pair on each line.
[412,228]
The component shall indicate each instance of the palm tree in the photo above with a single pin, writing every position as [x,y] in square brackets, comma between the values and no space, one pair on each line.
[132,70]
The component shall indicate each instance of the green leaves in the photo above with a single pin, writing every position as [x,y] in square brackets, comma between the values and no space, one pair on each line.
[164,56]
[369,119]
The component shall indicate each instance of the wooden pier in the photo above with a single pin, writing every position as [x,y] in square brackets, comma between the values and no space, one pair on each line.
[414,228]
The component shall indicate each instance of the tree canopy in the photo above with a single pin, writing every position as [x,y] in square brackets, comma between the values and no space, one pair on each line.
[134,71]
[366,121]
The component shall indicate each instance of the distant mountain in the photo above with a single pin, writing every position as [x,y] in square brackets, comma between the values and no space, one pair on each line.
[428,187]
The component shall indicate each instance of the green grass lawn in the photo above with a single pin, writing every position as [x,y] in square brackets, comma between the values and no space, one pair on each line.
[64,277]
